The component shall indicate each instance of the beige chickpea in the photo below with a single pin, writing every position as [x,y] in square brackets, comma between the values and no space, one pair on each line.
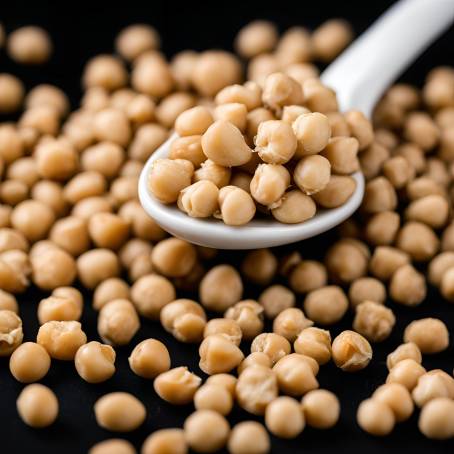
[307,275]
[406,372]
[214,70]
[23,169]
[194,121]
[104,157]
[37,406]
[95,362]
[407,286]
[228,328]
[446,284]
[290,322]
[51,194]
[423,187]
[398,171]
[172,106]
[351,351]
[249,315]
[12,239]
[30,362]
[5,216]
[105,71]
[136,39]
[338,190]
[280,90]
[330,39]
[256,38]
[253,359]
[321,409]
[312,174]
[173,257]
[319,97]
[11,143]
[237,207]
[312,131]
[429,334]
[292,112]
[372,159]
[375,417]
[360,127]
[84,185]
[119,412]
[71,234]
[366,289]
[96,265]
[14,271]
[294,46]
[86,207]
[188,148]
[8,302]
[149,358]
[381,229]
[436,419]
[254,118]
[220,288]
[397,398]
[118,322]
[211,171]
[386,260]
[246,389]
[108,230]
[11,93]
[185,319]
[233,112]
[284,417]
[218,355]
[226,381]
[199,200]
[13,192]
[293,207]
[132,249]
[409,350]
[326,305]
[276,299]
[341,153]
[150,293]
[432,210]
[182,66]
[338,123]
[315,343]
[379,196]
[206,431]
[275,142]
[213,397]
[46,94]
[302,71]
[420,129]
[112,125]
[248,437]
[43,119]
[29,45]
[296,374]
[248,94]
[272,344]
[146,140]
[259,266]
[436,170]
[113,445]
[374,321]
[61,339]
[141,110]
[24,218]
[164,441]
[141,266]
[59,308]
[432,385]
[177,385]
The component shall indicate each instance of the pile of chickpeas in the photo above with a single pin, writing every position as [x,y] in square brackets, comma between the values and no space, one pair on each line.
[70,217]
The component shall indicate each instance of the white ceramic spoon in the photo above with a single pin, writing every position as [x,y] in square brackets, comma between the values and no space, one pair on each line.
[359,76]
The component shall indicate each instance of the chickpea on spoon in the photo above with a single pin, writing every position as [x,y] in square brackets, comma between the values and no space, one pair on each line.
[327,183]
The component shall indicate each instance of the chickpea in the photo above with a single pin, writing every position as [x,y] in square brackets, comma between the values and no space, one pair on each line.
[397,398]
[248,94]
[136,39]
[374,321]
[146,141]
[275,299]
[105,71]
[351,351]
[379,196]
[253,359]
[86,207]
[272,344]
[295,374]
[112,125]
[318,97]
[280,90]
[61,339]
[290,322]
[23,169]
[108,230]
[248,437]
[429,334]
[236,206]
[13,192]
[308,275]
[119,412]
[294,46]
[182,67]
[330,39]
[96,265]
[30,362]
[302,71]
[95,362]
[226,381]
[84,185]
[249,315]
[172,106]
[104,157]
[29,45]
[37,406]
[432,385]
[173,257]
[312,174]
[436,420]
[227,328]
[256,38]
[43,119]
[386,260]
[420,129]
[8,302]
[11,333]
[111,445]
[321,409]
[12,239]
[360,128]
[382,228]
[284,417]
[11,93]
[215,398]
[219,175]
[51,194]
[188,148]
[45,94]
[315,343]
[326,305]
[366,289]
[432,210]
[246,389]
[233,112]
[59,308]
[199,200]
[118,322]
[24,218]
[194,121]
[409,350]
[341,153]
[293,207]
[407,286]
[406,372]
[312,131]
[218,355]
[177,385]
[259,266]
[375,417]
[214,70]
[338,190]
[149,358]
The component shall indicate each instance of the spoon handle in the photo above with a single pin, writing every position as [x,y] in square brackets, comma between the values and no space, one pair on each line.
[362,73]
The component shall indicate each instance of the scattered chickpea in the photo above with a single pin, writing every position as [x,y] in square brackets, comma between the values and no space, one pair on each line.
[218,355]
[351,351]
[11,333]
[408,350]
[95,362]
[248,437]
[177,385]
[29,45]
[213,397]
[397,398]
[436,419]
[321,409]
[290,322]
[37,406]
[315,343]
[406,372]
[429,334]
[30,362]
[375,417]
[111,445]
[326,305]
[284,417]
[165,440]
[374,321]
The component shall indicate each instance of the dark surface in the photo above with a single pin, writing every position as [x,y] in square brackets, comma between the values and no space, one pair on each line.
[80,31]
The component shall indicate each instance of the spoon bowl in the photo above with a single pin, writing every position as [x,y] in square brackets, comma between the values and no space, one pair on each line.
[359,76]
[258,233]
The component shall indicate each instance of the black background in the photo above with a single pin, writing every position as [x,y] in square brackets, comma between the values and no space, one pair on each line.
[81,30]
